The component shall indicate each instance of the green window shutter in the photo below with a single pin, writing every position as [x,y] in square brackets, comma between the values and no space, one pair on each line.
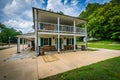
[42,41]
[72,41]
[59,28]
[41,25]
[67,41]
[50,42]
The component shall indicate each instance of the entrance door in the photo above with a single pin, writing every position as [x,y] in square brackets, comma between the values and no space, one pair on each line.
[59,43]
[33,44]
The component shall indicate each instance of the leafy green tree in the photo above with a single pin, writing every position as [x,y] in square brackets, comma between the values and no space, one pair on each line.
[60,12]
[104,20]
[115,24]
[2,26]
[89,10]
[7,33]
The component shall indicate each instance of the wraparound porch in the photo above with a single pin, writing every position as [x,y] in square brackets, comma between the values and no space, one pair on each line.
[49,42]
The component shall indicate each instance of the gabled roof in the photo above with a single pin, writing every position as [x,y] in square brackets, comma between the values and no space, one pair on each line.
[51,17]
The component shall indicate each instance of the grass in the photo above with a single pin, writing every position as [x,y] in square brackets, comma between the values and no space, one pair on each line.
[106,44]
[104,70]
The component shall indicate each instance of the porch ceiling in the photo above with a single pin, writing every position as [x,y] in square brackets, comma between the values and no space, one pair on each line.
[51,17]
[31,36]
[27,36]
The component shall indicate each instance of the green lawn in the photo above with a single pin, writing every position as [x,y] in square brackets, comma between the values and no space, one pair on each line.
[104,70]
[106,44]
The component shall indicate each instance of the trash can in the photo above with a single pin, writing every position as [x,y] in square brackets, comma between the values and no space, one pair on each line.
[28,45]
[83,47]
[41,51]
[76,46]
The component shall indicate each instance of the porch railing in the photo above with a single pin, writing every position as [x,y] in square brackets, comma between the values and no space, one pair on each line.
[62,29]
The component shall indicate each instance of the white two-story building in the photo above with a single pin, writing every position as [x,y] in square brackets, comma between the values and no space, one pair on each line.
[54,31]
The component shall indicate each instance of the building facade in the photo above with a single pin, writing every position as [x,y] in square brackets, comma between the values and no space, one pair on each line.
[54,31]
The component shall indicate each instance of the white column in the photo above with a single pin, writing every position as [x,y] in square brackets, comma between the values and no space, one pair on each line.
[74,36]
[23,43]
[39,44]
[30,43]
[26,43]
[36,30]
[58,35]
[18,45]
[86,42]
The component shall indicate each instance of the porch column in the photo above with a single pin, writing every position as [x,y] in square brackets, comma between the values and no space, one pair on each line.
[36,31]
[18,45]
[23,43]
[86,40]
[74,36]
[39,41]
[26,43]
[58,36]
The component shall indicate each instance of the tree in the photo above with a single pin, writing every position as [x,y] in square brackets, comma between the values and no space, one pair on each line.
[2,26]
[8,32]
[104,20]
[89,10]
[60,12]
[115,24]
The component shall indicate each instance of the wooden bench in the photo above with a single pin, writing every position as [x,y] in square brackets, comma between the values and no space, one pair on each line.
[68,47]
[49,48]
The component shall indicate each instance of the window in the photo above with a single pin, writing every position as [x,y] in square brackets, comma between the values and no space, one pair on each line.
[70,41]
[41,26]
[46,41]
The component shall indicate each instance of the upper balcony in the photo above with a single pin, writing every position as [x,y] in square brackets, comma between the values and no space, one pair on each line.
[47,22]
[49,27]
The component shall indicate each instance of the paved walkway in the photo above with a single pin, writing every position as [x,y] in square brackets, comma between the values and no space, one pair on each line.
[34,68]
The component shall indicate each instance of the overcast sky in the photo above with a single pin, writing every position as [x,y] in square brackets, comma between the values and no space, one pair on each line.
[18,13]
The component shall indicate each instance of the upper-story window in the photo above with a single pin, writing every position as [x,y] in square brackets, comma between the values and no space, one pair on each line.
[41,26]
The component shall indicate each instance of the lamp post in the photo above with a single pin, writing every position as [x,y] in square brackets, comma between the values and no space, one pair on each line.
[9,41]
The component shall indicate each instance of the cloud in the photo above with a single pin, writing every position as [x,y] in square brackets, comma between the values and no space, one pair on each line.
[70,9]
[65,2]
[17,7]
[74,2]
[28,13]
[19,14]
[55,5]
[19,25]
[97,1]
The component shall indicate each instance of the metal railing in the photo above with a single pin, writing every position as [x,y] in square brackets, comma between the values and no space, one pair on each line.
[80,31]
[62,29]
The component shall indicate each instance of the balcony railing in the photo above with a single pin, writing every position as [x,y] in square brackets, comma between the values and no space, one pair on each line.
[62,29]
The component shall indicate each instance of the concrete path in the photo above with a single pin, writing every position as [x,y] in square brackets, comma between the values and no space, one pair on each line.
[34,68]
[74,60]
[24,69]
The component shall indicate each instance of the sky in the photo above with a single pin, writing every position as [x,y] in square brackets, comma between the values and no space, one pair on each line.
[18,13]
